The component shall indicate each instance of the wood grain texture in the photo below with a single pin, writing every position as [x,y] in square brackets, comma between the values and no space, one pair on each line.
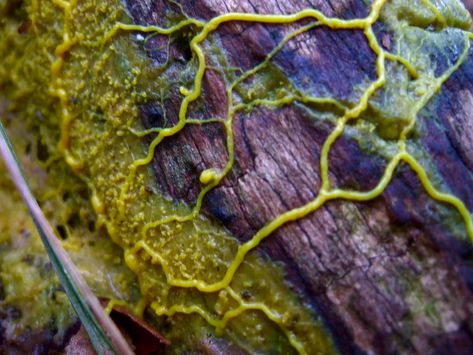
[387,276]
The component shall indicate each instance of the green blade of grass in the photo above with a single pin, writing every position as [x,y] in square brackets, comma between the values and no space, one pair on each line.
[103,333]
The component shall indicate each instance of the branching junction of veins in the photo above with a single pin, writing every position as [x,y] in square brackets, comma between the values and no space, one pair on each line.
[211,178]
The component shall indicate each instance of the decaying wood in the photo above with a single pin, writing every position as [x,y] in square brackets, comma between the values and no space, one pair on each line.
[356,263]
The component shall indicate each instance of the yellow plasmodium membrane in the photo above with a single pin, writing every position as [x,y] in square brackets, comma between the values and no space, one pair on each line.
[189,268]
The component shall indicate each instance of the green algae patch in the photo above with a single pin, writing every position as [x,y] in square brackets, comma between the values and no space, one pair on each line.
[83,76]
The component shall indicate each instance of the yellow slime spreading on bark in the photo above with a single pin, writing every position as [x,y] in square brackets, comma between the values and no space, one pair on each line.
[210,178]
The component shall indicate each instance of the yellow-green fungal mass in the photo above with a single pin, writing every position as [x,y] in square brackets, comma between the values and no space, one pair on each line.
[76,79]
[31,297]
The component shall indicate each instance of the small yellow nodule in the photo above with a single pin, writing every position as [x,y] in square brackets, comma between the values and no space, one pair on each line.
[97,204]
[207,176]
[184,91]
[75,164]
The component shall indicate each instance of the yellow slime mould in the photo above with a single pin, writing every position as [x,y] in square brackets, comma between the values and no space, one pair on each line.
[143,248]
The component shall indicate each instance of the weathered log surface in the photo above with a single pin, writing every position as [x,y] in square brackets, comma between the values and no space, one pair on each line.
[386,275]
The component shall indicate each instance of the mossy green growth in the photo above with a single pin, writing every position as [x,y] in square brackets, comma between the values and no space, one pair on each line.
[83,77]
